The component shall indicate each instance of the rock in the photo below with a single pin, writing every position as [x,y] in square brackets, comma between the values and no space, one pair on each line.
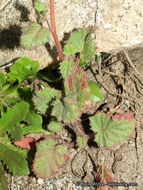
[119,25]
[69,15]
[40,181]
[3,4]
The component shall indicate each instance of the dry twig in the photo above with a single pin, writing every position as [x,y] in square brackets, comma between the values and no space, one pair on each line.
[132,65]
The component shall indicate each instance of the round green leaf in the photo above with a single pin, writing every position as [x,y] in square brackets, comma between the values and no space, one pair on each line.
[55,126]
[111,131]
[34,35]
[49,158]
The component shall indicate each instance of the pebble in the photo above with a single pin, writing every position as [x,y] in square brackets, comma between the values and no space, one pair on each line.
[40,181]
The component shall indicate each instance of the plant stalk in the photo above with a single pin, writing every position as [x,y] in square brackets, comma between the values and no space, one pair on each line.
[70,80]
[78,129]
[53,31]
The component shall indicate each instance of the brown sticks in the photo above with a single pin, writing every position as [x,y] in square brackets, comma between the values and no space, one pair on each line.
[132,65]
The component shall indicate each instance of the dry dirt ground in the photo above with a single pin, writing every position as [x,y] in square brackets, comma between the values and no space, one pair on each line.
[121,86]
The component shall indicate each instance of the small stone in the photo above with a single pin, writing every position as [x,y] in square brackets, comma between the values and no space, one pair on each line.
[40,181]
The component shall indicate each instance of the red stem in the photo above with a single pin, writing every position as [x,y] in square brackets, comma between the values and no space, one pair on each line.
[53,30]
[72,74]
[78,129]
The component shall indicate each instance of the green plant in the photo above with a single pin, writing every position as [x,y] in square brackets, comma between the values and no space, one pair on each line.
[16,107]
[26,99]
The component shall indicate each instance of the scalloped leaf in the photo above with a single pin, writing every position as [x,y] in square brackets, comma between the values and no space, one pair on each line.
[81,141]
[76,42]
[66,68]
[34,35]
[89,51]
[80,41]
[3,180]
[44,97]
[64,110]
[111,131]
[48,158]
[96,94]
[55,126]
[14,158]
[13,117]
[39,6]
[23,68]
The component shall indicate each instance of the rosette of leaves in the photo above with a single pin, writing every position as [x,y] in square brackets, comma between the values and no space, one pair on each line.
[49,158]
[76,86]
[112,129]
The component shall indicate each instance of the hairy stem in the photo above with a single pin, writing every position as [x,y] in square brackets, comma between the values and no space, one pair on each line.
[53,30]
[72,74]
[78,129]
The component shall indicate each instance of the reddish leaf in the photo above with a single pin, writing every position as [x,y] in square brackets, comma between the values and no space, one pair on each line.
[49,158]
[26,142]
